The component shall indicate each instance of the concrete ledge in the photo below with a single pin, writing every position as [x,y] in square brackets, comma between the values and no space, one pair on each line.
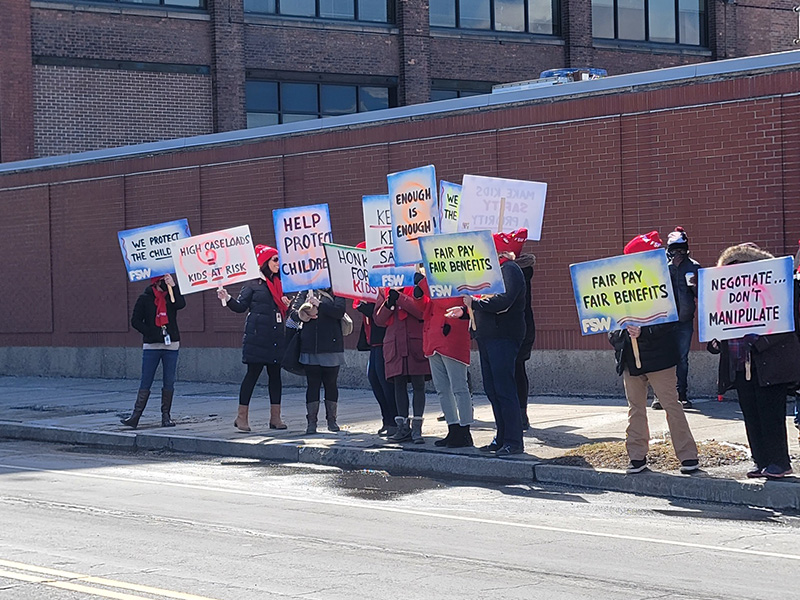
[62,435]
[217,447]
[698,487]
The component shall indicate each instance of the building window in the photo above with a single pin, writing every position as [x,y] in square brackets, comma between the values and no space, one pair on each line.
[446,89]
[274,102]
[170,3]
[661,21]
[518,16]
[376,11]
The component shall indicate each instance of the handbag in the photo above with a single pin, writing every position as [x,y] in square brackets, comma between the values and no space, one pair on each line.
[291,358]
[347,325]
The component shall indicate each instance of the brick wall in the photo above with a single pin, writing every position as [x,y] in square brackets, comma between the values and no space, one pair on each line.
[720,157]
[80,109]
[16,83]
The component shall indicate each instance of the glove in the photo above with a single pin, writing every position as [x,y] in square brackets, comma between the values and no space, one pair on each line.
[391,300]
[418,277]
[446,329]
[418,293]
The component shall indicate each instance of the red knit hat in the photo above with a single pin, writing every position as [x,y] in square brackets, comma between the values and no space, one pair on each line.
[264,253]
[644,242]
[362,245]
[510,242]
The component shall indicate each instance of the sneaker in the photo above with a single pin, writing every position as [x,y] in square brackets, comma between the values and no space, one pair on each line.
[636,466]
[441,418]
[656,405]
[493,447]
[508,451]
[686,403]
[690,466]
[756,473]
[776,472]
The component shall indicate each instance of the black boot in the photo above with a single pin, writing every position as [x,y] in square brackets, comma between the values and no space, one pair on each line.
[312,409]
[330,415]
[166,407]
[462,438]
[138,409]
[451,433]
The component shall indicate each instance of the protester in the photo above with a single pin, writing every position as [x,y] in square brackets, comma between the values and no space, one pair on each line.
[263,343]
[401,314]
[658,351]
[526,262]
[321,351]
[371,338]
[155,317]
[446,344]
[761,368]
[499,332]
[795,389]
[683,273]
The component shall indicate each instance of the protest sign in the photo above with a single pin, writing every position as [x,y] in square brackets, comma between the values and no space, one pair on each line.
[146,250]
[634,289]
[415,211]
[300,234]
[348,272]
[449,196]
[754,297]
[212,260]
[501,205]
[380,251]
[461,264]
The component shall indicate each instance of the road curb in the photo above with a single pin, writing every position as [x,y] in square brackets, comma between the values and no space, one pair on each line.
[779,495]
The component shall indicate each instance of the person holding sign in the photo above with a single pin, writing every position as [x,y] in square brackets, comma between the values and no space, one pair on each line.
[499,332]
[321,350]
[761,368]
[263,344]
[155,317]
[648,356]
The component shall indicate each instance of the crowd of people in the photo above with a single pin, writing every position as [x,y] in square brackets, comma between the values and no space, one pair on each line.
[412,338]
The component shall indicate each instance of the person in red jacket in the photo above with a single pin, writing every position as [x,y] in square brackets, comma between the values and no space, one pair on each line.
[446,343]
[405,362]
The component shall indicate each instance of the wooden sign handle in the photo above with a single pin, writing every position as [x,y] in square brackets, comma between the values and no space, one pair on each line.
[471,318]
[171,295]
[636,357]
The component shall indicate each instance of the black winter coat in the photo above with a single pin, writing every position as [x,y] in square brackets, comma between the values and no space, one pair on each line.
[526,263]
[376,332]
[685,296]
[264,337]
[776,357]
[143,318]
[322,335]
[658,349]
[503,316]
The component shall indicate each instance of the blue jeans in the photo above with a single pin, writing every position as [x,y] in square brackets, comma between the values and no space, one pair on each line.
[150,360]
[498,360]
[683,335]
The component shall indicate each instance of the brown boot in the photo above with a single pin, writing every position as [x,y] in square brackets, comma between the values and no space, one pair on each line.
[275,417]
[241,418]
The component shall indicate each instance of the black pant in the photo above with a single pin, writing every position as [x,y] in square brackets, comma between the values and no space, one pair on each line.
[251,378]
[382,389]
[401,394]
[317,377]
[764,411]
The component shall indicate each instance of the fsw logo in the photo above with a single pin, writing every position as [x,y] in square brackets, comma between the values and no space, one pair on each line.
[595,325]
[441,291]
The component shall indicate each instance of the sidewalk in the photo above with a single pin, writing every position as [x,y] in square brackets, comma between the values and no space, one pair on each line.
[87,411]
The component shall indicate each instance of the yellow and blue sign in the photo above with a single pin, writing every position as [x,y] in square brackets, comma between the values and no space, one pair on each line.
[415,211]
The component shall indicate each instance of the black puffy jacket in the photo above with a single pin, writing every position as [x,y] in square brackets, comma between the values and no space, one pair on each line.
[658,349]
[322,335]
[264,337]
[143,318]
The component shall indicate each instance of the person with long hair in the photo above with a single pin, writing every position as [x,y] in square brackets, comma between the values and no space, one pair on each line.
[263,344]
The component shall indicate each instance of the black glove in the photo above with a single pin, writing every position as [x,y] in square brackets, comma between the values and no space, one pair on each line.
[418,277]
[446,329]
[391,300]
[418,293]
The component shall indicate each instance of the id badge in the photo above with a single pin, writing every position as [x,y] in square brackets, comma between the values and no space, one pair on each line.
[278,317]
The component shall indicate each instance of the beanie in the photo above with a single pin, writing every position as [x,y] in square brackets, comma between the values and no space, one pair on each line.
[644,242]
[362,245]
[264,253]
[678,237]
[510,242]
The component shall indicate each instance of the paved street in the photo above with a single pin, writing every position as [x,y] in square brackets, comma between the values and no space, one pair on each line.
[82,523]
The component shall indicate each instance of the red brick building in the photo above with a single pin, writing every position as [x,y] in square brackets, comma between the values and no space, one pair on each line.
[714,148]
[78,75]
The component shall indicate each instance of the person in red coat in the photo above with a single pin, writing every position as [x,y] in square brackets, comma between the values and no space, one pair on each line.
[446,343]
[404,359]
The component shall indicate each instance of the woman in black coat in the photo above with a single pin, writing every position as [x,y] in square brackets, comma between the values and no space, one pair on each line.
[321,350]
[263,344]
[155,317]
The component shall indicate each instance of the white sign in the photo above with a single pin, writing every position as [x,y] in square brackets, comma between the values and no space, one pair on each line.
[348,271]
[501,205]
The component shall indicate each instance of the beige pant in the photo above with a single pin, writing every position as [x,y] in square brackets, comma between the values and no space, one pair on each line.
[637,435]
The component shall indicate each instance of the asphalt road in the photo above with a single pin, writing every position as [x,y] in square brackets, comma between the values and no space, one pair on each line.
[77,523]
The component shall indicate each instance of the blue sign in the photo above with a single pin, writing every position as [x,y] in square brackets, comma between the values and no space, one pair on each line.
[146,250]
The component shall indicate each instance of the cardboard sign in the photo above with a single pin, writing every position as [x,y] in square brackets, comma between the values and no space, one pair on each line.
[755,297]
[146,250]
[301,233]
[211,260]
[501,205]
[415,211]
[461,264]
[449,196]
[348,272]
[380,250]
[634,289]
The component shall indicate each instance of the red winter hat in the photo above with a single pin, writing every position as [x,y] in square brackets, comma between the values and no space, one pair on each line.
[362,245]
[644,242]
[510,242]
[264,253]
